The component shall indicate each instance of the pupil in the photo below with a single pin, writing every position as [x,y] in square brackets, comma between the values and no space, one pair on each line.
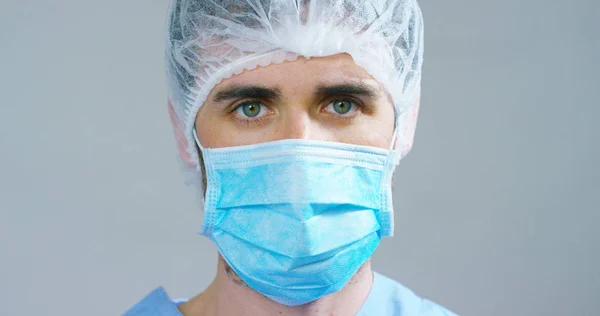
[251,110]
[342,107]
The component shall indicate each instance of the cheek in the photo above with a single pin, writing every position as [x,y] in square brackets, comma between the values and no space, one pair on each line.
[209,130]
[215,136]
[216,132]
[370,131]
[377,130]
[379,133]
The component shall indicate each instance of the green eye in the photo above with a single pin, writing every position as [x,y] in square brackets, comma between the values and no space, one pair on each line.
[342,107]
[251,109]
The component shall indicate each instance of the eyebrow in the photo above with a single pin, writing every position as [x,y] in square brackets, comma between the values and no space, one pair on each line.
[322,91]
[359,89]
[250,92]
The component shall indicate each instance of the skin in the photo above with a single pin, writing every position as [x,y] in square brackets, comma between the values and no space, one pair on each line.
[326,98]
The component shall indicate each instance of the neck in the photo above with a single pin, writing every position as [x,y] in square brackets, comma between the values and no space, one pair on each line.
[229,295]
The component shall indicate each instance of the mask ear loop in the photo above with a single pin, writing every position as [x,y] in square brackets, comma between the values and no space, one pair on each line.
[199,146]
[386,218]
[210,197]
[395,155]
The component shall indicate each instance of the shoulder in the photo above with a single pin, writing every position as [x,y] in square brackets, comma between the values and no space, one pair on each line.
[157,303]
[389,297]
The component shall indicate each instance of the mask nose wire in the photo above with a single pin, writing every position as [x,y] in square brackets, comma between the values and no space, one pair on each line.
[391,148]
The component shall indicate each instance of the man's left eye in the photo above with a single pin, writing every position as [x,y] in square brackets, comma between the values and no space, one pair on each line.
[341,107]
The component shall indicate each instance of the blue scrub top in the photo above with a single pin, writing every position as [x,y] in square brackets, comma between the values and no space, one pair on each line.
[387,298]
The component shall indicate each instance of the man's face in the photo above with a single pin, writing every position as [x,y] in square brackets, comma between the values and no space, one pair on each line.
[326,98]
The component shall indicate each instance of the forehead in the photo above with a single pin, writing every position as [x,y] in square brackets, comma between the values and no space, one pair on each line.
[302,74]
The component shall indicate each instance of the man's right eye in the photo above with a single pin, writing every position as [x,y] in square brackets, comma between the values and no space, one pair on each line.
[251,110]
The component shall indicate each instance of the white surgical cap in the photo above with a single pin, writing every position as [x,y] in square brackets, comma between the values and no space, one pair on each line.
[209,40]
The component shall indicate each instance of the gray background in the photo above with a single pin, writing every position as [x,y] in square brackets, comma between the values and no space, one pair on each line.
[497,205]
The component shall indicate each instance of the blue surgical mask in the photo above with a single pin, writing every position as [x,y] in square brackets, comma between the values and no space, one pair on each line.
[296,219]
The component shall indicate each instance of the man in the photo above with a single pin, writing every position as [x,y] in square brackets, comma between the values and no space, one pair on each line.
[290,118]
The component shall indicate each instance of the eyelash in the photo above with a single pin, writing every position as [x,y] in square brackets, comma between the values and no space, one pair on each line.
[249,121]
